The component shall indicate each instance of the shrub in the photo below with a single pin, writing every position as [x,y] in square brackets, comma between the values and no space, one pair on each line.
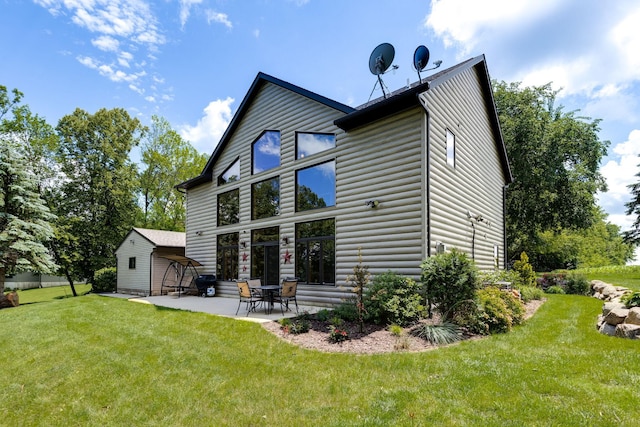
[552,279]
[530,293]
[439,334]
[347,311]
[496,311]
[491,278]
[555,289]
[337,334]
[104,280]
[323,315]
[631,299]
[577,284]
[525,270]
[396,330]
[393,299]
[449,279]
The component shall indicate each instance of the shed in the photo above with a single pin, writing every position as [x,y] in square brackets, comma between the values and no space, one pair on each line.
[140,259]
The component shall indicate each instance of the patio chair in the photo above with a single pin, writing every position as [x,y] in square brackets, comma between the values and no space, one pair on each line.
[246,296]
[287,293]
[254,287]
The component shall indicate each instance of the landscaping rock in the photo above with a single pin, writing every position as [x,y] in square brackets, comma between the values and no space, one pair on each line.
[597,285]
[610,305]
[633,318]
[607,329]
[626,330]
[616,316]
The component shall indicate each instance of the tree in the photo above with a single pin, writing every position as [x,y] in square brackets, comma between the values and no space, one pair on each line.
[555,158]
[633,208]
[169,160]
[96,202]
[25,220]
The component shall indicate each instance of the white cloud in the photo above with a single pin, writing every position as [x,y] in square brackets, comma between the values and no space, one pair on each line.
[620,173]
[256,33]
[185,10]
[464,23]
[106,43]
[206,134]
[220,18]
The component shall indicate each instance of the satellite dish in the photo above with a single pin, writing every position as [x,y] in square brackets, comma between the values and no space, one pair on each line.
[379,61]
[381,58]
[420,59]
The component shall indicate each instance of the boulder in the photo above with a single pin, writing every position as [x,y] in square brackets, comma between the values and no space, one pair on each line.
[616,316]
[607,329]
[626,330]
[633,318]
[598,285]
[609,292]
[610,305]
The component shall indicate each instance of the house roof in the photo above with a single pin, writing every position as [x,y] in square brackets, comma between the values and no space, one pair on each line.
[170,239]
[406,98]
[353,118]
[260,80]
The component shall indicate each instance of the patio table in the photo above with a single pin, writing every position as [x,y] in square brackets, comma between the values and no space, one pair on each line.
[269,291]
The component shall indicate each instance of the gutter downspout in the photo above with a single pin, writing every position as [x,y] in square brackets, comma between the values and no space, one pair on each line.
[427,174]
[151,273]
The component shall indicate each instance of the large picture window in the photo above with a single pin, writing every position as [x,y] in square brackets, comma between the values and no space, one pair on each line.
[232,173]
[316,252]
[265,198]
[266,151]
[229,207]
[227,251]
[316,186]
[312,143]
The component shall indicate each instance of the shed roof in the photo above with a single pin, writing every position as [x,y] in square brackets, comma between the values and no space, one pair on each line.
[170,239]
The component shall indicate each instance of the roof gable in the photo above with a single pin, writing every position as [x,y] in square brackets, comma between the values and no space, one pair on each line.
[404,99]
[260,80]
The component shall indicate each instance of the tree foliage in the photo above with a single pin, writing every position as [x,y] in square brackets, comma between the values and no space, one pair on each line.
[25,220]
[633,208]
[96,203]
[555,158]
[168,160]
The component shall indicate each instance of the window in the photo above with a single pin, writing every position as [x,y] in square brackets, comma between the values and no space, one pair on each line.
[265,255]
[132,263]
[265,198]
[496,256]
[315,252]
[266,151]
[312,143]
[229,207]
[232,173]
[451,149]
[316,186]
[227,256]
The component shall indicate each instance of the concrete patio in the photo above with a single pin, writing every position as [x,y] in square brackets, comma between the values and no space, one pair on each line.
[219,306]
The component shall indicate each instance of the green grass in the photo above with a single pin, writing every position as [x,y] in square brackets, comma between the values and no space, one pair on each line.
[627,276]
[99,361]
[30,296]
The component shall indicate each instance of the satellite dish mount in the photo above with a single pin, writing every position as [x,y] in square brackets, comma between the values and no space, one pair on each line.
[379,62]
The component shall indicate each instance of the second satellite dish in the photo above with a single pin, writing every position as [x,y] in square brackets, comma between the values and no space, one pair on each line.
[381,58]
[420,58]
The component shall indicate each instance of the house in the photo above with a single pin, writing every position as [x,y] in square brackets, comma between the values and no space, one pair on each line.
[140,259]
[31,280]
[299,184]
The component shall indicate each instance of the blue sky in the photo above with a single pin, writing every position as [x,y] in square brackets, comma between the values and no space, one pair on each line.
[192,61]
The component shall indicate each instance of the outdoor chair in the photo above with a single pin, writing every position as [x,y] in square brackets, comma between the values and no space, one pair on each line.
[287,293]
[254,287]
[246,296]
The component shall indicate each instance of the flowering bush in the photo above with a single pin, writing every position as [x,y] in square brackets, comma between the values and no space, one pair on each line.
[337,334]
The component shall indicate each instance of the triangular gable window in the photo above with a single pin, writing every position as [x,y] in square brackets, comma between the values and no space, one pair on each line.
[231,174]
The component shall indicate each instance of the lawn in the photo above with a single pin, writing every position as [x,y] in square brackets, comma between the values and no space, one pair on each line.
[627,276]
[103,361]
